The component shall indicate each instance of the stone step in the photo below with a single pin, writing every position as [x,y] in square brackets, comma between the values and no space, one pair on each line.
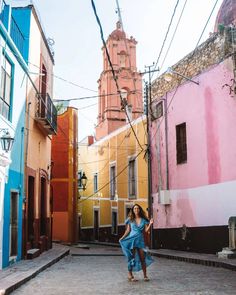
[32,253]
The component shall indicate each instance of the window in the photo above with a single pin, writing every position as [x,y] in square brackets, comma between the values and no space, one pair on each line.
[113,182]
[5,90]
[127,210]
[95,182]
[181,143]
[132,179]
[114,228]
[124,95]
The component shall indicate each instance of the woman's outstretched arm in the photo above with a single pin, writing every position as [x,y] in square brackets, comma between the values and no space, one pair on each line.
[147,227]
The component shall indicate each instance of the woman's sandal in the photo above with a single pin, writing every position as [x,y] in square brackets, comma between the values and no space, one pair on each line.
[132,279]
[146,279]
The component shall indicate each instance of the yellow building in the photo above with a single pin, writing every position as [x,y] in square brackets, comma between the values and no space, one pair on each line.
[117,178]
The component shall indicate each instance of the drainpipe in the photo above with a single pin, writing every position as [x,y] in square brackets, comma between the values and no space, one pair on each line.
[166,144]
[159,159]
[24,240]
[27,134]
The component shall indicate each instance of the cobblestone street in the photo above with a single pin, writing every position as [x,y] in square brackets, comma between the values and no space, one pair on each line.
[107,275]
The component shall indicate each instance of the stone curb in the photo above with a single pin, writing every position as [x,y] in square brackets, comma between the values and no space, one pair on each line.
[206,262]
[97,255]
[100,243]
[10,287]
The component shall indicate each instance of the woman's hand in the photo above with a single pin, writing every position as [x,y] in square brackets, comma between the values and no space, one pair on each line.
[151,221]
[120,239]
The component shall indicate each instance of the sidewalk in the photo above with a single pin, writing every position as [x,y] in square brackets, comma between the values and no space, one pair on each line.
[17,274]
[191,257]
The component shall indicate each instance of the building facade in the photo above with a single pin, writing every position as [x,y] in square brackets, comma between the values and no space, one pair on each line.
[40,125]
[117,179]
[114,161]
[64,182]
[12,120]
[192,146]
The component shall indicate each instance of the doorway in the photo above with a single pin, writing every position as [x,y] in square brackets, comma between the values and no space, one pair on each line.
[14,224]
[43,208]
[96,224]
[30,211]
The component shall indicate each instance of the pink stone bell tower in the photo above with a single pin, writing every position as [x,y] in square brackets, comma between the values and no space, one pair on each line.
[122,51]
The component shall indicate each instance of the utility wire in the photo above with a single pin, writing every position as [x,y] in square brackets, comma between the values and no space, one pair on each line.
[167,32]
[173,36]
[105,185]
[113,72]
[126,47]
[65,80]
[53,75]
[194,51]
[94,96]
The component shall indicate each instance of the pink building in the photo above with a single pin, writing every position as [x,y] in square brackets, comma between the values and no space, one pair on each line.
[193,145]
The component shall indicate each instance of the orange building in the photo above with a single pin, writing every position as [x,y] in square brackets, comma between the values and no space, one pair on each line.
[64,177]
[40,125]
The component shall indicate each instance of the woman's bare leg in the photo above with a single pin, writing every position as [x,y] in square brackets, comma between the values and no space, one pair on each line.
[130,273]
[142,259]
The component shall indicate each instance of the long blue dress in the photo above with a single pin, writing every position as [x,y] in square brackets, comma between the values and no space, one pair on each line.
[135,239]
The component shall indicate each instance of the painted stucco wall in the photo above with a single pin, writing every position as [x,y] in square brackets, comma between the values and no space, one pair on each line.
[202,190]
[64,177]
[115,149]
[13,180]
[39,144]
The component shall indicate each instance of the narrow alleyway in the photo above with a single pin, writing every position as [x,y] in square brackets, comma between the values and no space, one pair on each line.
[101,270]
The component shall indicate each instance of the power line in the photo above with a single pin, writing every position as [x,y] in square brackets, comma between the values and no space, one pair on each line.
[105,185]
[167,32]
[126,46]
[173,36]
[94,96]
[194,51]
[53,75]
[65,80]
[112,70]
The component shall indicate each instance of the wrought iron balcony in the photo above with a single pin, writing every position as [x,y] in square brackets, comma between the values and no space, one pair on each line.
[46,113]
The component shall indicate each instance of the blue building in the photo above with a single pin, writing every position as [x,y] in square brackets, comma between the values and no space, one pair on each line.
[13,69]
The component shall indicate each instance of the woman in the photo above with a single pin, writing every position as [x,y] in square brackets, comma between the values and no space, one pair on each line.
[132,242]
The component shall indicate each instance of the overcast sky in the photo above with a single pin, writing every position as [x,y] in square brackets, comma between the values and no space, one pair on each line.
[78,58]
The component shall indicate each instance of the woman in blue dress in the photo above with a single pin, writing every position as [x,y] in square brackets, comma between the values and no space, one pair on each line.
[132,242]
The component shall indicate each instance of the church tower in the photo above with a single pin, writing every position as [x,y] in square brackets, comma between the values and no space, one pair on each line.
[111,114]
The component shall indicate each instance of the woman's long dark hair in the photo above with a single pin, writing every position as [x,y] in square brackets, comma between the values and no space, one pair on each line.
[142,214]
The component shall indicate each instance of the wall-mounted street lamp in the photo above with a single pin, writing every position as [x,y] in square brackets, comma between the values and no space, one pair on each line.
[84,180]
[168,76]
[6,140]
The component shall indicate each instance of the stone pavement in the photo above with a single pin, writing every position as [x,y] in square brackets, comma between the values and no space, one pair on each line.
[107,275]
[186,256]
[94,250]
[19,273]
[14,276]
